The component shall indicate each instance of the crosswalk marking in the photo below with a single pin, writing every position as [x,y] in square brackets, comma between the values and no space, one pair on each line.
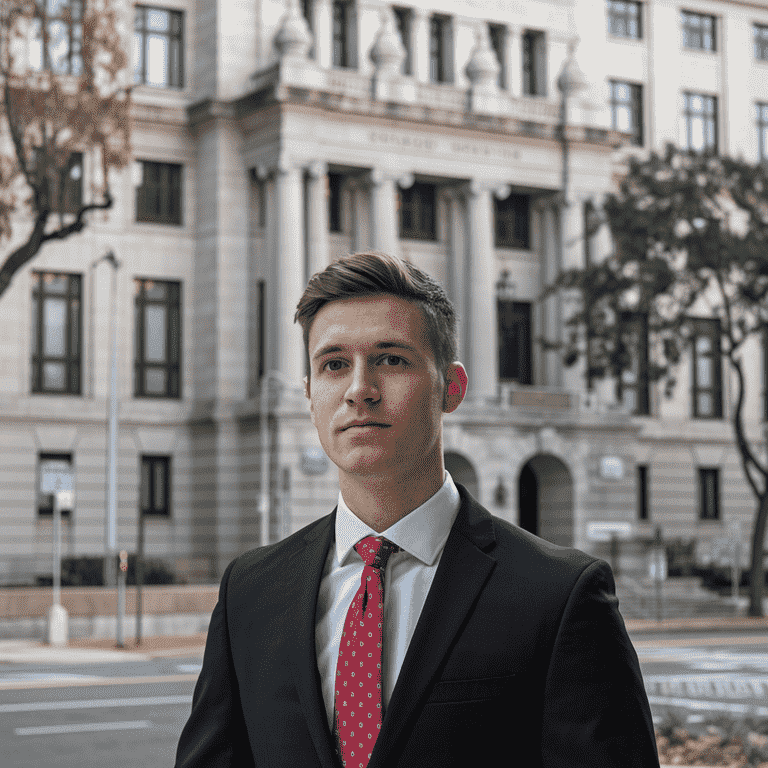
[707,686]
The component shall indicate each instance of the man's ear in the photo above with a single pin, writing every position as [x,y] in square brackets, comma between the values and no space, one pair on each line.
[456,387]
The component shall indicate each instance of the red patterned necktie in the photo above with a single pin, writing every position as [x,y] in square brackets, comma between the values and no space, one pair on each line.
[358,702]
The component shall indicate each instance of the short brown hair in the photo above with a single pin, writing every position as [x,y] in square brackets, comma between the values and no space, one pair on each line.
[372,273]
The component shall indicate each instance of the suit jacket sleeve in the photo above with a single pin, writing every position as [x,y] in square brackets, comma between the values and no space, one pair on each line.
[215,735]
[596,711]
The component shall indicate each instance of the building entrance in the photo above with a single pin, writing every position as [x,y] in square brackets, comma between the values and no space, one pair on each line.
[545,499]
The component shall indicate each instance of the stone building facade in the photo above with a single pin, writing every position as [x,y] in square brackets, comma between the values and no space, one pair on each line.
[271,137]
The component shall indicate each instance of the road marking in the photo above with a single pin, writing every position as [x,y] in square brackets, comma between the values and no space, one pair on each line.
[715,640]
[7,685]
[147,701]
[709,705]
[47,730]
[35,676]
[189,668]
[722,661]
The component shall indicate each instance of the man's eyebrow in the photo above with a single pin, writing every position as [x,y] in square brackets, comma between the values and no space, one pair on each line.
[381,345]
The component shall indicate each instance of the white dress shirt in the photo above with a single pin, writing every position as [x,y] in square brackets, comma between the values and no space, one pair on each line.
[421,535]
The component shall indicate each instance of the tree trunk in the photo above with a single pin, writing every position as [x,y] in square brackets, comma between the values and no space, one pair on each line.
[757,573]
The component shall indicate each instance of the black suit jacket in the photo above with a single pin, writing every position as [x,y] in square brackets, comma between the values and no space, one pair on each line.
[520,657]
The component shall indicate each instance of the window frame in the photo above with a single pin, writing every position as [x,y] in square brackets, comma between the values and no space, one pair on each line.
[335,203]
[74,41]
[614,14]
[688,29]
[420,200]
[760,45]
[72,359]
[762,130]
[638,321]
[172,302]
[497,35]
[534,66]
[706,515]
[151,461]
[166,187]
[635,106]
[520,316]
[699,328]
[174,46]
[343,37]
[505,211]
[689,116]
[441,49]
[404,27]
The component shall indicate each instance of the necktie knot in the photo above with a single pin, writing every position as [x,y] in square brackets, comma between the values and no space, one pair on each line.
[375,551]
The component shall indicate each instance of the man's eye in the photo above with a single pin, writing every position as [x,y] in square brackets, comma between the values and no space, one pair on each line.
[331,362]
[394,357]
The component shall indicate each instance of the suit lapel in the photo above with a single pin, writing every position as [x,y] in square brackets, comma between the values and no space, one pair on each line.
[463,570]
[307,565]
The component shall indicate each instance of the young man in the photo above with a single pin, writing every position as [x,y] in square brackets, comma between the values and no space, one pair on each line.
[409,627]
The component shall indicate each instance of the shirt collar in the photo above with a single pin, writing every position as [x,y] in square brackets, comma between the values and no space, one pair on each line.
[421,533]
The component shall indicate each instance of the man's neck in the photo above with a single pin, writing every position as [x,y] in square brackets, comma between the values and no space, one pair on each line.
[381,501]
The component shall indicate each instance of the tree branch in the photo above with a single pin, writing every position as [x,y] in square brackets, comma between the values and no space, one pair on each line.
[79,223]
[23,253]
[747,456]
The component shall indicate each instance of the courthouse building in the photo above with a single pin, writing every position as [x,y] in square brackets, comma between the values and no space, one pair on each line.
[272,137]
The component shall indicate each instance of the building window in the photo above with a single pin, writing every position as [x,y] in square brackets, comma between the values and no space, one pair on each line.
[709,493]
[49,465]
[699,129]
[761,41]
[627,109]
[156,485]
[515,361]
[707,369]
[157,316]
[762,131]
[404,23]
[440,49]
[633,389]
[698,31]
[643,507]
[624,19]
[335,184]
[158,47]
[343,43]
[418,206]
[56,333]
[512,221]
[498,36]
[158,197]
[534,63]
[63,22]
[67,185]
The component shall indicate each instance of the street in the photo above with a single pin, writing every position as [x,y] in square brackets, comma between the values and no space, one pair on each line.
[121,715]
[128,714]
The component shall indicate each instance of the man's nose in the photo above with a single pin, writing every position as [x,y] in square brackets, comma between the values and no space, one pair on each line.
[363,385]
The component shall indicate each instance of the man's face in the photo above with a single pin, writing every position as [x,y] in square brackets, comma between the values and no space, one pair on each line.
[371,361]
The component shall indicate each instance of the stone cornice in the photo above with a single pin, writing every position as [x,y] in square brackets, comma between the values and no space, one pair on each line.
[210,109]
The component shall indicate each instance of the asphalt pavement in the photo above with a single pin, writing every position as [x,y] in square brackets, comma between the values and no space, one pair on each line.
[90,704]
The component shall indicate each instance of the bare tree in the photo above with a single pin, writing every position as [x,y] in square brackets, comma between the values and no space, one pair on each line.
[689,231]
[65,97]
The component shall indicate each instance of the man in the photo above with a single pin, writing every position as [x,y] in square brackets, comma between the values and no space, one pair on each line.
[409,627]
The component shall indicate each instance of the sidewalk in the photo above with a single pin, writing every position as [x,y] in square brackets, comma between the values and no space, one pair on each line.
[88,651]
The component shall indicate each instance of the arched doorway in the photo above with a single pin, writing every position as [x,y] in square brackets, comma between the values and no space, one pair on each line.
[462,472]
[545,499]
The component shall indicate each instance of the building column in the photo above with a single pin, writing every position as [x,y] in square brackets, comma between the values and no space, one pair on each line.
[384,224]
[285,350]
[420,45]
[317,217]
[361,233]
[514,61]
[456,260]
[323,33]
[481,353]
